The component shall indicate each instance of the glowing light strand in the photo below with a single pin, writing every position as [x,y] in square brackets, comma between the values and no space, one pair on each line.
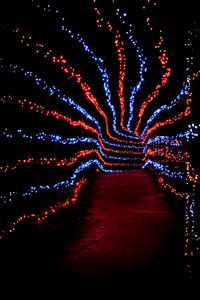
[121,59]
[97,60]
[122,16]
[55,114]
[44,137]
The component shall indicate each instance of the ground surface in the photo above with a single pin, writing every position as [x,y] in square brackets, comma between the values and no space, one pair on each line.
[129,239]
[132,235]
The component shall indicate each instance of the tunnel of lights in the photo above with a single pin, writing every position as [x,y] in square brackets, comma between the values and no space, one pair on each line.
[103,136]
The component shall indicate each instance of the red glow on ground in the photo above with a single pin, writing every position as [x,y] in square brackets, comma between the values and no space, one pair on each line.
[129,235]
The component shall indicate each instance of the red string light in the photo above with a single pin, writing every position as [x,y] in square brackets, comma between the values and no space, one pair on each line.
[38,218]
[122,64]
[55,114]
[86,88]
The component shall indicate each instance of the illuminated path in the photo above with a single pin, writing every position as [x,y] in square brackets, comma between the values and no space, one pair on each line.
[130,240]
[131,236]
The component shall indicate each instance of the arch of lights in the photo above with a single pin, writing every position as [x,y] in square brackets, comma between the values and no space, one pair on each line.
[125,140]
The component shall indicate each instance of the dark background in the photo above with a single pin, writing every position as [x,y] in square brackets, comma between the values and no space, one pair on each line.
[173,17]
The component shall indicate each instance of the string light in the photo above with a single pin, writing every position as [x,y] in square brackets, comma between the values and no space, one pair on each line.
[180,115]
[39,108]
[38,218]
[163,58]
[98,61]
[122,63]
[45,137]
